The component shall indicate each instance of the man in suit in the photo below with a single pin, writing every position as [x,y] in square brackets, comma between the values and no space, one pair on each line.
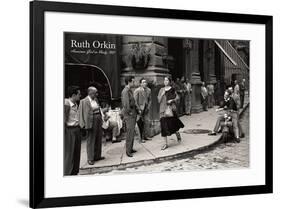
[242,92]
[72,137]
[129,112]
[142,96]
[90,119]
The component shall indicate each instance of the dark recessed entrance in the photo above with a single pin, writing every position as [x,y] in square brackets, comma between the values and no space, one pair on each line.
[88,75]
[175,49]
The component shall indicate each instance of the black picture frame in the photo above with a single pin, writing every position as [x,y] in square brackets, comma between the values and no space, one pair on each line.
[37,196]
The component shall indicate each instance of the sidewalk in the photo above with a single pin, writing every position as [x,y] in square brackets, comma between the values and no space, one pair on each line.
[194,139]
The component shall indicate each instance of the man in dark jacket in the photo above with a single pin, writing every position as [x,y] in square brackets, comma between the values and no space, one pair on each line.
[129,112]
[230,105]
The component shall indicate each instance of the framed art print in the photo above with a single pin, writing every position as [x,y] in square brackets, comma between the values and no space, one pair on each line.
[133,104]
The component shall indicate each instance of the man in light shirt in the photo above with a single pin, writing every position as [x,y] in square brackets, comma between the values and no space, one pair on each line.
[242,92]
[211,91]
[90,119]
[72,137]
[204,96]
[236,94]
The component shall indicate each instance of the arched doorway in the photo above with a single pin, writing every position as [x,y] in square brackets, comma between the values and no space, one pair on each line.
[84,75]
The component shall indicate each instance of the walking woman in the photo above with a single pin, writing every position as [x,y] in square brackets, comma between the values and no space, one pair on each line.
[169,121]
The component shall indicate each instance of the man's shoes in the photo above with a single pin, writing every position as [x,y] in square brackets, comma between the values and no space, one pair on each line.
[165,146]
[101,158]
[129,154]
[134,151]
[237,140]
[242,135]
[212,133]
[142,141]
[147,139]
[91,162]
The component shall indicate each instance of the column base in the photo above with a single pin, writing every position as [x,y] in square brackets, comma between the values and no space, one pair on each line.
[196,82]
[213,79]
[154,128]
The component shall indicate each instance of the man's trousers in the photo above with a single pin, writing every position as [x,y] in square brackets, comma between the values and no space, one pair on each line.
[72,150]
[130,121]
[94,139]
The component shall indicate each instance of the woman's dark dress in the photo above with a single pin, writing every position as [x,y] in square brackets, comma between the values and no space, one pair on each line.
[170,125]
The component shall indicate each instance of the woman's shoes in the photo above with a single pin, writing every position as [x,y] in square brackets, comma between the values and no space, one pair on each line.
[212,133]
[164,147]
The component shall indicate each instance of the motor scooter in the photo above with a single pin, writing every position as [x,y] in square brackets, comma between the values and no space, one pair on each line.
[226,126]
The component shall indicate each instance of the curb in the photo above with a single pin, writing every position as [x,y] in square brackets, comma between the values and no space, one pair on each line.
[190,153]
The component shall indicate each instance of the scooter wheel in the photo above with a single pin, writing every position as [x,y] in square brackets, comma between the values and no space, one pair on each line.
[224,137]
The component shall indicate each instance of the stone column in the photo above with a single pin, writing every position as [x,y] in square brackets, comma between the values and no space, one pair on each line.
[194,74]
[209,63]
[154,72]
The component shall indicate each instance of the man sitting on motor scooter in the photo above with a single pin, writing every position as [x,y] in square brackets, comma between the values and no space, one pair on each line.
[229,105]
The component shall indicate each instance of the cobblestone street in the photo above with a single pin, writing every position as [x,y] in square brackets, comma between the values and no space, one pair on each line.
[223,156]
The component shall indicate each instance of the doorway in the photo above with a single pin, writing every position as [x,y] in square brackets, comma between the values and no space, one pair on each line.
[84,76]
[175,49]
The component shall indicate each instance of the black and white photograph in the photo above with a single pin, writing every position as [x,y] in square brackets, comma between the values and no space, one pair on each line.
[143,104]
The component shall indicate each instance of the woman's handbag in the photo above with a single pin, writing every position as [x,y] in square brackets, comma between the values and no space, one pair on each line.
[168,112]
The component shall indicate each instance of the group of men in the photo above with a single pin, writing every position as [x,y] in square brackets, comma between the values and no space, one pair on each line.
[208,94]
[136,105]
[233,100]
[89,118]
[184,91]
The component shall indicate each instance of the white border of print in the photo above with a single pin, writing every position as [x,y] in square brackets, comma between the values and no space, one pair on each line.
[58,186]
